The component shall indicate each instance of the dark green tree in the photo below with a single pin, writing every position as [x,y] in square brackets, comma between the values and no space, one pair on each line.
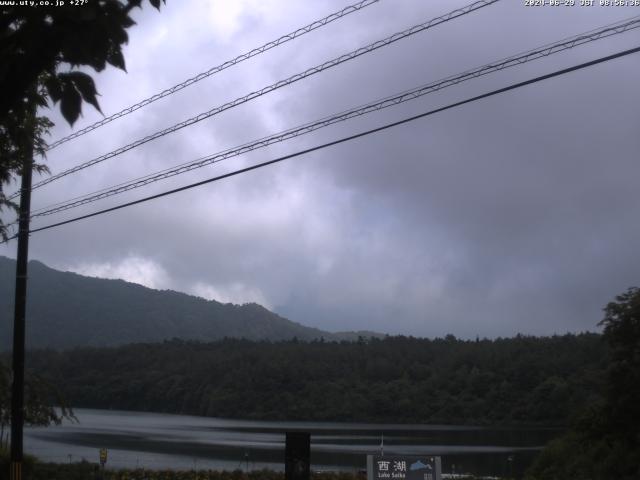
[41,52]
[604,443]
[396,379]
[622,332]
[40,399]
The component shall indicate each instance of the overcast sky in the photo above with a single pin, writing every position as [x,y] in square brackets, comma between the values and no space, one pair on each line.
[517,213]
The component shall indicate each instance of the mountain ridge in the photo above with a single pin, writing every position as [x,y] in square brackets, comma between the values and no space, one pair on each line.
[66,310]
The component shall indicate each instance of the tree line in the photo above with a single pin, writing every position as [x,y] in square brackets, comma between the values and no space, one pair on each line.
[520,380]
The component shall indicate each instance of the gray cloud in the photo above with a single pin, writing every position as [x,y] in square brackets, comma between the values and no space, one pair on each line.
[512,214]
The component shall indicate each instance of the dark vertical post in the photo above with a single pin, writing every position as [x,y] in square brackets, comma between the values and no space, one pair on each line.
[297,453]
[17,391]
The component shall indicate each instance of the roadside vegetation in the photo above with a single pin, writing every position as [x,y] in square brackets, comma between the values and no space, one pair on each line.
[43,406]
[89,471]
[604,441]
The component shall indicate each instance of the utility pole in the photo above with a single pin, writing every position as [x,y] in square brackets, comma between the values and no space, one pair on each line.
[20,307]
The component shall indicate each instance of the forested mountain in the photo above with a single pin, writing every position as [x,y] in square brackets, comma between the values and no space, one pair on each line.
[66,310]
[396,379]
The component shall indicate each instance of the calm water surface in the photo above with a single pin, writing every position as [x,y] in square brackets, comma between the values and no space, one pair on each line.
[161,441]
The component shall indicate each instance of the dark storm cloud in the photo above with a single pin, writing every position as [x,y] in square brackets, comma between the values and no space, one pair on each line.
[513,214]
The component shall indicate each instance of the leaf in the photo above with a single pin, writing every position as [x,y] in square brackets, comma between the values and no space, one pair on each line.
[115,58]
[155,3]
[127,22]
[88,13]
[71,103]
[116,34]
[54,88]
[40,100]
[86,86]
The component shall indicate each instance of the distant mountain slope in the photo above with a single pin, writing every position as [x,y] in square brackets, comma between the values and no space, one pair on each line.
[67,310]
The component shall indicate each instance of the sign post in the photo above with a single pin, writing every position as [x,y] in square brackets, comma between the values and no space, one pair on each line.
[103,461]
[403,467]
[297,455]
[103,456]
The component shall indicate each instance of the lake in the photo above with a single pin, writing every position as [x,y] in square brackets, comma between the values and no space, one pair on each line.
[180,442]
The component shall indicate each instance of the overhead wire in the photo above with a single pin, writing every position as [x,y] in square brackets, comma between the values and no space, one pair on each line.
[282,83]
[511,87]
[514,60]
[218,68]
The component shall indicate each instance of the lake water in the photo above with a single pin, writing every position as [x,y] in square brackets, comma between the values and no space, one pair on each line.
[161,441]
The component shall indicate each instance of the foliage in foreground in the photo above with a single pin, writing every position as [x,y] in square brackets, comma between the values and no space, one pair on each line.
[41,50]
[604,444]
[35,470]
[89,471]
[40,398]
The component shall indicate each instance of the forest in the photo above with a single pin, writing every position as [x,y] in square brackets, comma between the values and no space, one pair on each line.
[510,381]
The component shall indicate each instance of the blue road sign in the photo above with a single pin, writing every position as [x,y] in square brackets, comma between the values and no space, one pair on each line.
[403,467]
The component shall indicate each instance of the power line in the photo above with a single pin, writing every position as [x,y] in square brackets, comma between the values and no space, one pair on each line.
[218,68]
[282,83]
[348,138]
[518,59]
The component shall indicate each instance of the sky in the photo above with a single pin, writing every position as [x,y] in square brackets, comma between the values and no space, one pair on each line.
[513,214]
